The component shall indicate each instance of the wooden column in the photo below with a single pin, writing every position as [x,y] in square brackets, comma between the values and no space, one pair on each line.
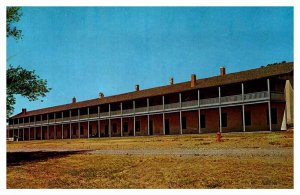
[34,130]
[180,114]
[99,130]
[78,112]
[148,117]
[48,134]
[269,104]
[29,129]
[243,108]
[88,122]
[55,125]
[62,125]
[121,107]
[109,122]
[164,125]
[134,118]
[70,130]
[220,111]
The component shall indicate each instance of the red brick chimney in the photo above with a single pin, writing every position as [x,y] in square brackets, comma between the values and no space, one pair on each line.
[137,87]
[171,81]
[222,71]
[24,111]
[74,100]
[101,95]
[193,80]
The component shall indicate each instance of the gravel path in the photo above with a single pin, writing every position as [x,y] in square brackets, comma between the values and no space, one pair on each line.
[200,152]
[175,152]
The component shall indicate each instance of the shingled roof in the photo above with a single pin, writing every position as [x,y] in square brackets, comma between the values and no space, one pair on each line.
[258,73]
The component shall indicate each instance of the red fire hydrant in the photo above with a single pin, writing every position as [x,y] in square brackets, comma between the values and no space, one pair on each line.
[218,136]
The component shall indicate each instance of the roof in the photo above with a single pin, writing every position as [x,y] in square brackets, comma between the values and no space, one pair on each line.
[253,74]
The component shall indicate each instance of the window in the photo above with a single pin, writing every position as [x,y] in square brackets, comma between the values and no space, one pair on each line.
[224,119]
[273,116]
[184,122]
[74,130]
[247,118]
[114,127]
[202,120]
[125,127]
[137,126]
[81,130]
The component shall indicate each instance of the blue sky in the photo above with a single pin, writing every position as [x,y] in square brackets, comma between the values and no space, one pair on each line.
[84,51]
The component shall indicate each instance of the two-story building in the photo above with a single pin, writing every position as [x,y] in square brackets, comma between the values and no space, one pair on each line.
[252,100]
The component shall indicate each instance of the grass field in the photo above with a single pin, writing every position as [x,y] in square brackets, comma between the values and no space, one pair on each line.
[241,160]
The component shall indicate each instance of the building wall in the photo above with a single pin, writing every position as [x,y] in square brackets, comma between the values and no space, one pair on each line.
[129,120]
[234,119]
[259,117]
[143,125]
[191,122]
[174,122]
[211,120]
[157,124]
[118,125]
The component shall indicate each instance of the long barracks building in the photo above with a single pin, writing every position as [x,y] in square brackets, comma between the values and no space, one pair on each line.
[254,100]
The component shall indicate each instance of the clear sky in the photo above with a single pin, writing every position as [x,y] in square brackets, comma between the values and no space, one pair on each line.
[84,51]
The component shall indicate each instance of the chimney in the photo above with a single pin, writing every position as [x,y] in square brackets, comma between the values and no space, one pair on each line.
[222,71]
[101,95]
[171,81]
[137,87]
[193,80]
[23,110]
[74,100]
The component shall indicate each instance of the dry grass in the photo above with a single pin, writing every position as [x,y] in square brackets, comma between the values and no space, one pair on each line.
[81,170]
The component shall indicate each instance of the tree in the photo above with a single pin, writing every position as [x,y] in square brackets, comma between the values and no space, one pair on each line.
[19,80]
[13,15]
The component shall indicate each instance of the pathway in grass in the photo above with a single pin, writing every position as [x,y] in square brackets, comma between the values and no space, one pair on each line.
[200,152]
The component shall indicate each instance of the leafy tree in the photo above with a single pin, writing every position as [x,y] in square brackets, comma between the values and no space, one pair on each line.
[13,15]
[19,80]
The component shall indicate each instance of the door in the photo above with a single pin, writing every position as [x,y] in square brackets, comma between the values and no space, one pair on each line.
[106,130]
[151,127]
[167,127]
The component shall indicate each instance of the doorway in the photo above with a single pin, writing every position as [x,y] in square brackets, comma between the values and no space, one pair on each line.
[167,127]
[151,127]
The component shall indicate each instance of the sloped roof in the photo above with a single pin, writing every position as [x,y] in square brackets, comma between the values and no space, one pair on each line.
[258,73]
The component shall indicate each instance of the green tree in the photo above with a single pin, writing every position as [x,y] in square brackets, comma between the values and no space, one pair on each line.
[19,80]
[13,15]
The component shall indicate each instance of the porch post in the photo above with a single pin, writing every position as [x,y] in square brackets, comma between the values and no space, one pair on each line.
[121,107]
[55,126]
[148,124]
[29,130]
[148,117]
[48,136]
[23,134]
[41,117]
[62,125]
[98,122]
[269,104]
[220,111]
[243,108]
[164,128]
[13,129]
[133,118]
[199,120]
[89,122]
[109,122]
[70,130]
[78,112]
[34,130]
[180,114]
